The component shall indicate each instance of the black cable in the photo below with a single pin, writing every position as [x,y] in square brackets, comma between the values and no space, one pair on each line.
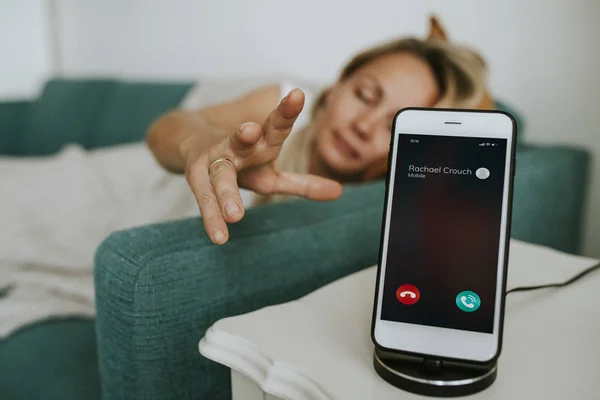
[562,284]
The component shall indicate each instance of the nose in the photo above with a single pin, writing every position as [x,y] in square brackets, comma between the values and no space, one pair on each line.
[365,125]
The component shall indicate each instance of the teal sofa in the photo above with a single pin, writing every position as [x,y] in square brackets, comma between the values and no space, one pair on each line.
[159,287]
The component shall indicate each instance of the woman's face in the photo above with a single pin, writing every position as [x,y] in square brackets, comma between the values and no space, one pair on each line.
[354,127]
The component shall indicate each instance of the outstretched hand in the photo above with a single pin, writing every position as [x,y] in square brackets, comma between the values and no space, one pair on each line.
[246,159]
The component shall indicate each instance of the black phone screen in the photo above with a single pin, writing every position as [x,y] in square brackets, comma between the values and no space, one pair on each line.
[444,232]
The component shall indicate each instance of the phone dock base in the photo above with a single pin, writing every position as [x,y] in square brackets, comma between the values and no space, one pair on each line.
[433,377]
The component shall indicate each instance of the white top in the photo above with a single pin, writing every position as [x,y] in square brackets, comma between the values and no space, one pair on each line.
[319,347]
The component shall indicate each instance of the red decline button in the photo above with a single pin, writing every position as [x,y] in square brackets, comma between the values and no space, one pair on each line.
[408,294]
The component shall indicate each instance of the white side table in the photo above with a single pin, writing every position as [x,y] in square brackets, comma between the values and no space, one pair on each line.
[319,347]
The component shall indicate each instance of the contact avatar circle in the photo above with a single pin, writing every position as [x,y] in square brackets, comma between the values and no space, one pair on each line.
[482,173]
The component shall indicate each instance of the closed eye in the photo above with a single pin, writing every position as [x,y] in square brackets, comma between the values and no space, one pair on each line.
[366,96]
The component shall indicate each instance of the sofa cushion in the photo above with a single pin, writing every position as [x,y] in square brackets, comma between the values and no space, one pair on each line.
[53,360]
[549,196]
[68,111]
[133,107]
[12,120]
[94,113]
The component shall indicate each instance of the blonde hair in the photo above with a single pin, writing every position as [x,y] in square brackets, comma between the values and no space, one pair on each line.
[459,73]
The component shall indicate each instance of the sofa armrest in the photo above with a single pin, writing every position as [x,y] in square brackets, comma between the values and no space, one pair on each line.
[159,287]
[550,194]
[12,121]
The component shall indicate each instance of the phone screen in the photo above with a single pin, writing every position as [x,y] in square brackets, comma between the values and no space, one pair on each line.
[444,232]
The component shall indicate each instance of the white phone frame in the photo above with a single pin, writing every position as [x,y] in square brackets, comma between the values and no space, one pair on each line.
[436,341]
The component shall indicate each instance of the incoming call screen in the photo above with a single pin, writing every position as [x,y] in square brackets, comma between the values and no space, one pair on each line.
[444,232]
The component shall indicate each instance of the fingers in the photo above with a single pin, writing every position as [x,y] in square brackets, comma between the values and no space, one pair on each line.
[243,140]
[279,124]
[275,129]
[214,224]
[223,178]
[309,186]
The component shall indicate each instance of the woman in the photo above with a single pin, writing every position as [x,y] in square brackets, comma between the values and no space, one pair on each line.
[260,143]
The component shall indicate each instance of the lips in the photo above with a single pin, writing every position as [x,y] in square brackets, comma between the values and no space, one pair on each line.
[344,147]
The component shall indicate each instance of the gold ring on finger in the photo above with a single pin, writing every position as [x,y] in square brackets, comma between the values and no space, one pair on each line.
[218,160]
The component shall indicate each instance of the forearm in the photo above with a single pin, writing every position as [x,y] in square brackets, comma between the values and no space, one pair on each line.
[168,135]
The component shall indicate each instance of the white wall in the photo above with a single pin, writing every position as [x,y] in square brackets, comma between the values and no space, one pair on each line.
[542,53]
[25,52]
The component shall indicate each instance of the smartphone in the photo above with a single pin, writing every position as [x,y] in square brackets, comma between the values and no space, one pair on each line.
[443,256]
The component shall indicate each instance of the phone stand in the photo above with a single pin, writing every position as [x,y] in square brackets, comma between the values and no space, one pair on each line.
[433,377]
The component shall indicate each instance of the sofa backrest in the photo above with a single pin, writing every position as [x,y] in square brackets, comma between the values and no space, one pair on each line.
[94,113]
[97,113]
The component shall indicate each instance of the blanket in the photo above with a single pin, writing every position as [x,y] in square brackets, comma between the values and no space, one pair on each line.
[56,210]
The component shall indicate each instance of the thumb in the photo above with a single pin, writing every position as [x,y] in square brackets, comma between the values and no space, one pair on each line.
[309,186]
